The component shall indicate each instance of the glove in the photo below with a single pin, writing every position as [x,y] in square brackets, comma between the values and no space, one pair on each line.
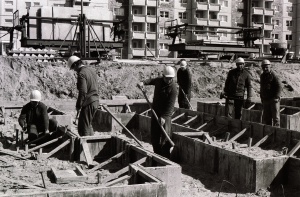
[140,85]
[162,121]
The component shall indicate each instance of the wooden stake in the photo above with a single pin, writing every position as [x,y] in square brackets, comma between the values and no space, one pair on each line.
[249,142]
[203,125]
[282,109]
[262,140]
[87,153]
[208,138]
[26,148]
[251,106]
[177,117]
[238,135]
[294,150]
[190,120]
[227,135]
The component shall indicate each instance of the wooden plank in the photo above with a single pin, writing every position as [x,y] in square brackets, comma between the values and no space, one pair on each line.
[261,141]
[177,117]
[203,125]
[251,106]
[208,138]
[106,162]
[118,180]
[294,150]
[218,130]
[190,120]
[282,109]
[122,171]
[191,134]
[45,144]
[45,156]
[238,135]
[145,112]
[86,152]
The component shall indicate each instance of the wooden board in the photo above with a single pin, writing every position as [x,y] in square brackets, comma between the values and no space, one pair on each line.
[68,176]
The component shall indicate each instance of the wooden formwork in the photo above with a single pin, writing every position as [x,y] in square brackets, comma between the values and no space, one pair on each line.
[141,184]
[289,116]
[106,146]
[248,173]
[290,101]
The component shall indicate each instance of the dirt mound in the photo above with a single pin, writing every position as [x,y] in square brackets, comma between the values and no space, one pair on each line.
[19,76]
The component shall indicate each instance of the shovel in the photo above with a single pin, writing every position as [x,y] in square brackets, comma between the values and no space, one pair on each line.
[186,98]
[76,118]
[162,128]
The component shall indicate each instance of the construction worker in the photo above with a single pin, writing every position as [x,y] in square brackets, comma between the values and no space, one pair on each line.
[184,80]
[34,117]
[238,79]
[88,98]
[165,93]
[270,91]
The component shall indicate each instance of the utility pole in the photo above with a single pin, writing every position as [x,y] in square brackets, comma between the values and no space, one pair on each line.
[157,32]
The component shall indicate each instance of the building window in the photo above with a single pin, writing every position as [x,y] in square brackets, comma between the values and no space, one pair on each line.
[119,11]
[9,2]
[223,18]
[276,36]
[9,10]
[182,15]
[289,9]
[199,14]
[135,28]
[276,22]
[36,4]
[164,14]
[182,1]
[28,4]
[162,30]
[288,37]
[8,20]
[289,23]
[135,45]
[276,8]
[224,3]
[164,46]
[149,45]
[223,34]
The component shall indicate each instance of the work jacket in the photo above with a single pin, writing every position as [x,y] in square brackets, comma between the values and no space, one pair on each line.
[87,85]
[236,82]
[184,80]
[36,115]
[164,96]
[270,86]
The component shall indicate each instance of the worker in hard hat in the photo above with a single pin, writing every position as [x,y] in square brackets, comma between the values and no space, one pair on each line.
[184,80]
[34,117]
[270,92]
[238,79]
[165,93]
[88,98]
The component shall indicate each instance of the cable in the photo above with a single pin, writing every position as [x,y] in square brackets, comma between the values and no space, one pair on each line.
[4,35]
[229,184]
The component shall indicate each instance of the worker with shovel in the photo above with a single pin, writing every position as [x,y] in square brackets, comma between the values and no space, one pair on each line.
[165,93]
[88,98]
[238,79]
[184,80]
[34,117]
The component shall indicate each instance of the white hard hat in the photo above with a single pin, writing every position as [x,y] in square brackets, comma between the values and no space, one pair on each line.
[169,71]
[265,62]
[72,60]
[183,63]
[35,96]
[240,60]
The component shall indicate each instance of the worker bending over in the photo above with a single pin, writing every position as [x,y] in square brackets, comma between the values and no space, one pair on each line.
[238,79]
[88,98]
[165,93]
[34,117]
[184,80]
[270,91]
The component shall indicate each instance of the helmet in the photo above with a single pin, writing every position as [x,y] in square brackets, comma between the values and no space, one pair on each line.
[35,96]
[72,60]
[240,60]
[183,63]
[265,62]
[169,71]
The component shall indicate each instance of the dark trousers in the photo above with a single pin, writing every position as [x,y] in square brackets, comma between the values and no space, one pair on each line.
[236,105]
[183,101]
[271,113]
[85,119]
[159,142]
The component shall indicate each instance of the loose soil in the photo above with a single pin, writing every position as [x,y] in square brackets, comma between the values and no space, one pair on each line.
[56,82]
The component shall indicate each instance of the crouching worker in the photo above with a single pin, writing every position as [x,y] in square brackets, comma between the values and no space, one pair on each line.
[34,117]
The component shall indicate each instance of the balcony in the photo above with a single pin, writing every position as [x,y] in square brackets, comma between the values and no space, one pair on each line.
[268,26]
[213,37]
[151,3]
[150,54]
[151,19]
[268,40]
[202,6]
[214,7]
[259,42]
[201,21]
[138,18]
[258,11]
[151,36]
[138,35]
[269,12]
[199,36]
[139,2]
[257,24]
[138,52]
[214,22]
